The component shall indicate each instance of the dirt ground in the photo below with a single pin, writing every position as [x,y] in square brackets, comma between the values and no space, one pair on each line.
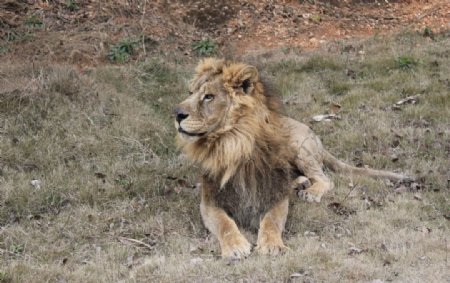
[80,32]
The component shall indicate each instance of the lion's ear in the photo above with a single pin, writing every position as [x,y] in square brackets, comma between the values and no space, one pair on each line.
[243,76]
[209,66]
[246,84]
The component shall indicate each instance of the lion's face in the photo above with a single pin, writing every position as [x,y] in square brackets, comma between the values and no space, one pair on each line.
[217,95]
[204,111]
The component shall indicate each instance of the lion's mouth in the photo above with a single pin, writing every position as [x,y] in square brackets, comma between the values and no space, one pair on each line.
[180,130]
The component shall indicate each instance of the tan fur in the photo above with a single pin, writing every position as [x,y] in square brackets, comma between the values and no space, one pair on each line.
[248,151]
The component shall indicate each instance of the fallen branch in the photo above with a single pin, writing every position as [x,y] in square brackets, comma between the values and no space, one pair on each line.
[125,240]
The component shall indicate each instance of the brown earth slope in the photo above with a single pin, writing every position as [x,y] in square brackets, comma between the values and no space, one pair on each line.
[82,32]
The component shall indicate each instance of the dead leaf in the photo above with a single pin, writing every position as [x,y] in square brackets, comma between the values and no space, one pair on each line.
[183,183]
[425,230]
[100,175]
[326,117]
[296,275]
[369,201]
[401,189]
[394,157]
[408,100]
[339,209]
[302,272]
[351,73]
[356,251]
[416,186]
[177,189]
[335,108]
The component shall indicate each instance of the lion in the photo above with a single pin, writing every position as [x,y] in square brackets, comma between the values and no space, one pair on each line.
[251,155]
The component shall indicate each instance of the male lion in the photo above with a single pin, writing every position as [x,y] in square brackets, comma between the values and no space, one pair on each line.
[249,152]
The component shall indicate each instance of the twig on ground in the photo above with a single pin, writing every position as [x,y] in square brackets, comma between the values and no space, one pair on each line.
[125,240]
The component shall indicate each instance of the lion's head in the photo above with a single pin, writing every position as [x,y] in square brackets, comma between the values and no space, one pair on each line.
[218,90]
[226,118]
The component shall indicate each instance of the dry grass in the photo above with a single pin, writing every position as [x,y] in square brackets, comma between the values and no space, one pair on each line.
[117,203]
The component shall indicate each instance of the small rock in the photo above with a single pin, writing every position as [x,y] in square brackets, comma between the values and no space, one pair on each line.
[196,260]
[417,197]
[36,184]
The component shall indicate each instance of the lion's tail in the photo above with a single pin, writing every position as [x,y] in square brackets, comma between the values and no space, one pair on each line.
[341,167]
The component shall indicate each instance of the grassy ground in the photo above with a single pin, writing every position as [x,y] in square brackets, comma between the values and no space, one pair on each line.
[114,201]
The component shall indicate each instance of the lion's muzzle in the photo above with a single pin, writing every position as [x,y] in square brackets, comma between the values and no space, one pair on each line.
[180,114]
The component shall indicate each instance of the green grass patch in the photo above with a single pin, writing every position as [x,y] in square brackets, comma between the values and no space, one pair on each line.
[206,47]
[406,62]
[34,21]
[121,51]
[71,5]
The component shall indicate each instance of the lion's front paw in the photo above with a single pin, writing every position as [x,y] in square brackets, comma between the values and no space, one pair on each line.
[272,248]
[270,244]
[235,247]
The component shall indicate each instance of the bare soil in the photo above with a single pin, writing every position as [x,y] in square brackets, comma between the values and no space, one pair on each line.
[80,32]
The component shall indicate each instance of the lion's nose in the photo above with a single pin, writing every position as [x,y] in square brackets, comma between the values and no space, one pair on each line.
[179,114]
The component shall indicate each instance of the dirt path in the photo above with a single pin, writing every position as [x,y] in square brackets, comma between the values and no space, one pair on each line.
[82,32]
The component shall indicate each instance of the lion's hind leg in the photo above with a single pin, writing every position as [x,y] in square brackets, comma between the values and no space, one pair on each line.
[271,228]
[320,182]
[315,192]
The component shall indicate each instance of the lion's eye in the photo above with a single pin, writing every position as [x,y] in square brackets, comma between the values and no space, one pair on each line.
[208,97]
[190,93]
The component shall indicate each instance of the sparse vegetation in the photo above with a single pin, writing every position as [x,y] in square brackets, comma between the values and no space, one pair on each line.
[71,5]
[428,32]
[116,202]
[122,50]
[406,62]
[34,21]
[16,248]
[206,47]
[4,49]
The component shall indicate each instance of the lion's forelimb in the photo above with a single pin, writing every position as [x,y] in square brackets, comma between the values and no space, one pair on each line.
[271,227]
[232,243]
